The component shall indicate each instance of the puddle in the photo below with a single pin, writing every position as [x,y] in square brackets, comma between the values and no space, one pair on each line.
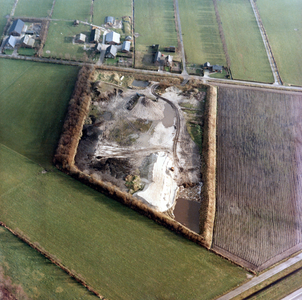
[140,83]
[187,213]
[169,115]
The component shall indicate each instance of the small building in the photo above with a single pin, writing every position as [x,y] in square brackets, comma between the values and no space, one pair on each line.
[206,65]
[27,41]
[10,42]
[95,35]
[98,47]
[155,48]
[112,38]
[216,68]
[80,38]
[170,49]
[157,57]
[16,28]
[109,20]
[126,46]
[169,60]
[76,22]
[111,52]
[128,38]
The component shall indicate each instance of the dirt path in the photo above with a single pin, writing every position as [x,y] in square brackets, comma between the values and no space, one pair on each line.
[264,276]
[14,8]
[267,46]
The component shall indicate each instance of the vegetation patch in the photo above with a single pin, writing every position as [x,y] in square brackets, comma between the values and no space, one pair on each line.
[200,32]
[6,7]
[71,10]
[245,46]
[33,8]
[282,23]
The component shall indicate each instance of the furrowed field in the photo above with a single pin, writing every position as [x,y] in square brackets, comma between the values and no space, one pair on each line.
[27,274]
[155,23]
[33,8]
[6,7]
[118,252]
[259,169]
[71,9]
[245,46]
[283,25]
[200,32]
[114,8]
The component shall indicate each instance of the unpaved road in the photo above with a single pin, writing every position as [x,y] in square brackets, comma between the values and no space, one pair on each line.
[264,276]
[294,296]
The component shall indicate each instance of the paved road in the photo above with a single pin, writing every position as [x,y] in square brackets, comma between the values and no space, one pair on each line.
[264,276]
[297,295]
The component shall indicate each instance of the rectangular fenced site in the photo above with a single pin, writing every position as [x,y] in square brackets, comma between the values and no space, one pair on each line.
[259,175]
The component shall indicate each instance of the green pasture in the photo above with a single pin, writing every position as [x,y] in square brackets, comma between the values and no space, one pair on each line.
[244,43]
[72,9]
[6,7]
[26,273]
[33,8]
[283,24]
[200,32]
[114,8]
[120,253]
[155,24]
[60,43]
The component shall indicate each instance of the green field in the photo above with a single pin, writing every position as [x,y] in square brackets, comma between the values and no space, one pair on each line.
[6,7]
[26,274]
[245,46]
[283,25]
[155,24]
[72,9]
[114,8]
[120,253]
[60,44]
[33,8]
[200,32]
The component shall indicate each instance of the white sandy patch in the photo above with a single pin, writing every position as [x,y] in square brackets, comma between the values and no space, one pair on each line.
[162,136]
[162,189]
[149,110]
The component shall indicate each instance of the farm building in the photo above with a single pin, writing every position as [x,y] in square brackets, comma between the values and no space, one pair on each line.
[170,49]
[109,20]
[76,22]
[111,52]
[206,65]
[126,46]
[80,38]
[128,38]
[27,42]
[95,35]
[155,48]
[157,57]
[168,60]
[216,68]
[112,38]
[98,47]
[10,42]
[17,28]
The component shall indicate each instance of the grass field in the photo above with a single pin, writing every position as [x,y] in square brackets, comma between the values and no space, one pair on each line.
[71,10]
[245,46]
[6,7]
[121,254]
[155,23]
[283,25]
[60,41]
[200,32]
[258,174]
[26,273]
[114,8]
[33,8]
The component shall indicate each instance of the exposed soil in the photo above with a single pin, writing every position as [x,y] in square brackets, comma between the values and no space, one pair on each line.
[128,132]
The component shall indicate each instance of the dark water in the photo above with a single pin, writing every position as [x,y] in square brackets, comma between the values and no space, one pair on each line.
[187,213]
[169,115]
[140,83]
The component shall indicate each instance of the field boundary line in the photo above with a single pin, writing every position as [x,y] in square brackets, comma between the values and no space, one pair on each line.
[52,259]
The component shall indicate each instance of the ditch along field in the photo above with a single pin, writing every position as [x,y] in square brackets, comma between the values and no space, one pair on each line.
[6,7]
[72,9]
[283,25]
[245,46]
[200,32]
[26,274]
[118,252]
[114,8]
[33,8]
[155,23]
[259,169]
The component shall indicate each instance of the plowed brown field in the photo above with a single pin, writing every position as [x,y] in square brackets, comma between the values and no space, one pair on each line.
[259,175]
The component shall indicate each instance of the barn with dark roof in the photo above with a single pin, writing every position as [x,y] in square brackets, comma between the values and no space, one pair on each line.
[16,28]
